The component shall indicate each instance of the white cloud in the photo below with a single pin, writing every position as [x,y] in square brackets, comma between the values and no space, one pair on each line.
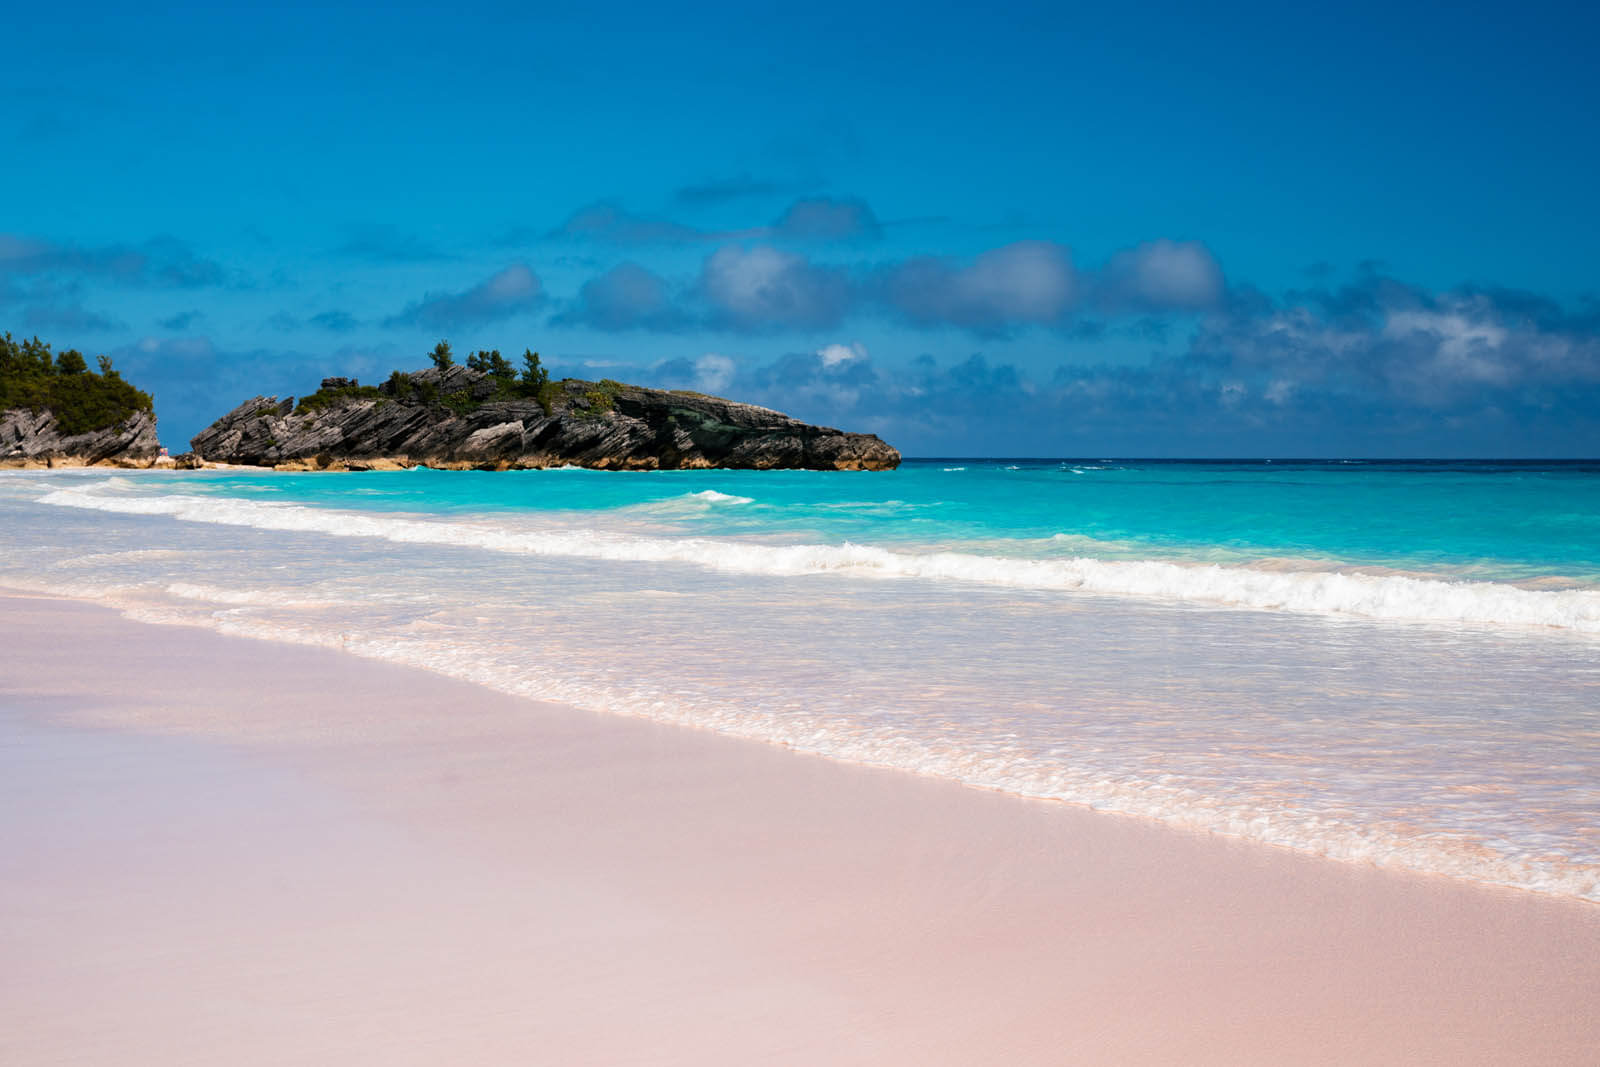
[1457,347]
[766,287]
[714,373]
[1163,276]
[835,354]
[625,297]
[1029,282]
[503,294]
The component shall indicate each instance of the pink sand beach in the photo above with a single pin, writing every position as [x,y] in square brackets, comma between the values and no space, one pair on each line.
[221,851]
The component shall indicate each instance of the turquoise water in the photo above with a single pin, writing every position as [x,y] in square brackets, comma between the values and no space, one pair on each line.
[1490,520]
[1395,664]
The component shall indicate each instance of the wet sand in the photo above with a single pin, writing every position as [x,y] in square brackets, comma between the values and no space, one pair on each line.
[215,850]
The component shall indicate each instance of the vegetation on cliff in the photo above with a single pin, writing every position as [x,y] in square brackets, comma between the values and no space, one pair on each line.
[488,415]
[82,401]
[504,383]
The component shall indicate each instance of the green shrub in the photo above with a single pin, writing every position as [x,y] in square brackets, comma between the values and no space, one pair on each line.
[81,400]
[460,401]
[532,383]
[399,386]
[546,396]
[603,397]
[534,377]
[330,398]
[493,364]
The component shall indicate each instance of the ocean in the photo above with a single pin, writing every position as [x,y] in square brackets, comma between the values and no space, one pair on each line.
[1388,663]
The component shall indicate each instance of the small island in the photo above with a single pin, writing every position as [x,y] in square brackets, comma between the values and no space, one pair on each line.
[56,412]
[489,415]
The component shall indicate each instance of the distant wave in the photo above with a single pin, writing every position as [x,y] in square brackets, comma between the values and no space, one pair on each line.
[711,496]
[686,505]
[1385,597]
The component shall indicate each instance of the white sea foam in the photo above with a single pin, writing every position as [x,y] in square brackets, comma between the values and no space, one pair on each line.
[1386,597]
[212,594]
[711,496]
[687,505]
[1160,797]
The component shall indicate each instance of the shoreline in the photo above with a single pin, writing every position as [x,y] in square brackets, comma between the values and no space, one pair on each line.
[1367,850]
[239,849]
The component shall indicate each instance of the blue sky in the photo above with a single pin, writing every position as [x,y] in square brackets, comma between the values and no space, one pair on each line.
[1024,230]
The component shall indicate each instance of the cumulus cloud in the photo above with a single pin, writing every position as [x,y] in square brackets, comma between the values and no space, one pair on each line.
[509,292]
[1035,283]
[1026,283]
[1376,368]
[626,297]
[1404,346]
[714,373]
[835,354]
[1162,276]
[1415,372]
[766,288]
[710,373]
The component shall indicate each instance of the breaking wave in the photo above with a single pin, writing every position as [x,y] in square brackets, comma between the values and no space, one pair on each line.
[1368,596]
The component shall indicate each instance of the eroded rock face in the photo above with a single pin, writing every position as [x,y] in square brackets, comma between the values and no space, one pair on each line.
[33,439]
[447,420]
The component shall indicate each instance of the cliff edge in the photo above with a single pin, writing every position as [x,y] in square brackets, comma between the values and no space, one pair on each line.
[56,412]
[32,439]
[459,417]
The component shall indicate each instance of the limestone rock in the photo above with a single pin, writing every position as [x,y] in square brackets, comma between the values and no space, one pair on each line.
[451,418]
[34,439]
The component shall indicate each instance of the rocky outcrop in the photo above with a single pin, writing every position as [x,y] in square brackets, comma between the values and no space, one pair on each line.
[460,418]
[34,439]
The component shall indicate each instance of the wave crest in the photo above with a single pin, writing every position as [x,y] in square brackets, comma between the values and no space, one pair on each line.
[1384,597]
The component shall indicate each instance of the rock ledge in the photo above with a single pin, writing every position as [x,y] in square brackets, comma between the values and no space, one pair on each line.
[451,418]
[33,439]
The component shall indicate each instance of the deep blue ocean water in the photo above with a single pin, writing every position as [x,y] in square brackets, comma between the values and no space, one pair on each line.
[1395,663]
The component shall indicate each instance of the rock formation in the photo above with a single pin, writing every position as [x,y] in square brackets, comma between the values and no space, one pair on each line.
[462,418]
[34,439]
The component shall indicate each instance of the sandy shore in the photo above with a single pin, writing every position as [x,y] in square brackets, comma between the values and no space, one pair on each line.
[224,851]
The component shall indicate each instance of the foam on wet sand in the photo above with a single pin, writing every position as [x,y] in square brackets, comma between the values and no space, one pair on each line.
[221,850]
